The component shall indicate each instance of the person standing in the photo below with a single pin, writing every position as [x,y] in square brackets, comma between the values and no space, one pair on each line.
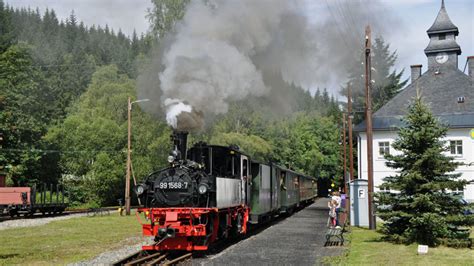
[336,196]
[332,213]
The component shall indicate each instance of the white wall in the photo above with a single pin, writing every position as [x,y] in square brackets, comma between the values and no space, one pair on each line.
[381,170]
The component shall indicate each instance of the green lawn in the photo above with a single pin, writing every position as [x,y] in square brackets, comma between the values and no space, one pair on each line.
[366,248]
[66,241]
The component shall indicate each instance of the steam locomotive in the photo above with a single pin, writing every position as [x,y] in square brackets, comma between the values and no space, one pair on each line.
[212,192]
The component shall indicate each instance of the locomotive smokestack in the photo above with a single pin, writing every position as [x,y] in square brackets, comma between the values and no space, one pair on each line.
[180,140]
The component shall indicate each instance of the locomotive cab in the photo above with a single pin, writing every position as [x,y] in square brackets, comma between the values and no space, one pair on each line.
[228,170]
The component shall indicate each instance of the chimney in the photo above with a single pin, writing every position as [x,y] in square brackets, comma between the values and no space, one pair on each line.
[415,72]
[180,139]
[470,64]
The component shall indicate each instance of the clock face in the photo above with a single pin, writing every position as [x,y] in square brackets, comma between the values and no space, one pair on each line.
[441,58]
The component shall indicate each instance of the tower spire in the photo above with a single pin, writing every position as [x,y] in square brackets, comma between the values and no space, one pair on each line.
[442,47]
[442,23]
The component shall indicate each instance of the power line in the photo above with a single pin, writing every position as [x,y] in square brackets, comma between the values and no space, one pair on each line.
[337,25]
[349,24]
[58,151]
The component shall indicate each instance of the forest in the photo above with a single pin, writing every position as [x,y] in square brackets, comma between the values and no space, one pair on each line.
[63,99]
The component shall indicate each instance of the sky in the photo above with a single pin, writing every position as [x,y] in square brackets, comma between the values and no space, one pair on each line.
[408,37]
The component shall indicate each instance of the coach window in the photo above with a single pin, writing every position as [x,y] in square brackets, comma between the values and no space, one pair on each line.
[282,180]
[384,148]
[455,147]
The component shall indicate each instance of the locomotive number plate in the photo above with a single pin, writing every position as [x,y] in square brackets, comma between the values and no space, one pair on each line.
[173,185]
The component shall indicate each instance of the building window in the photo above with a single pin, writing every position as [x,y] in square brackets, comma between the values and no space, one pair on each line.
[385,189]
[442,36]
[455,147]
[384,148]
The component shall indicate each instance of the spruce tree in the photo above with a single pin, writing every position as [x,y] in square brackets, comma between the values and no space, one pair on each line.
[388,81]
[422,209]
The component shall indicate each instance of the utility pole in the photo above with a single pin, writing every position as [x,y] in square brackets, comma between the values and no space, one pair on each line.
[349,123]
[351,157]
[368,119]
[344,151]
[129,160]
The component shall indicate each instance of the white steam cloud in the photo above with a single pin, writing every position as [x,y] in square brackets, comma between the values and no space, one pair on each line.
[174,108]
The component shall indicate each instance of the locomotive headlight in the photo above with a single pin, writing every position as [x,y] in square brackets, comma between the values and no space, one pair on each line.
[202,188]
[170,158]
[139,190]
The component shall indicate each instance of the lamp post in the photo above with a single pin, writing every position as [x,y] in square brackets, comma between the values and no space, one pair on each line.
[129,151]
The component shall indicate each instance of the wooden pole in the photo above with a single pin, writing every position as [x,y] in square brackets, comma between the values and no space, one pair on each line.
[349,123]
[351,157]
[368,119]
[129,144]
[344,151]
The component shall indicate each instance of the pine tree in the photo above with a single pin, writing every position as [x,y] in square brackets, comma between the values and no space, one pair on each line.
[423,211]
[6,37]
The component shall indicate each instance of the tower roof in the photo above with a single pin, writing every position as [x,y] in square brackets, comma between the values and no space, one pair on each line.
[442,23]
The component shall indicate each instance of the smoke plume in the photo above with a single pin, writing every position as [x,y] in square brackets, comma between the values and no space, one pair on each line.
[222,50]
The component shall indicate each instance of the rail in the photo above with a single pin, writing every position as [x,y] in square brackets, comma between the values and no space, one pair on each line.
[158,258]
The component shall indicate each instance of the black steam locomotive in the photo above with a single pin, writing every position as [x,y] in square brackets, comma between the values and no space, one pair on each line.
[211,192]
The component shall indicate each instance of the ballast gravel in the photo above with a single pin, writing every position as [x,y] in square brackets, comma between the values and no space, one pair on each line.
[36,221]
[129,246]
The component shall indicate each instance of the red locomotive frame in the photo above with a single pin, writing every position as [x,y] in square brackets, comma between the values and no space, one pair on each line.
[190,229]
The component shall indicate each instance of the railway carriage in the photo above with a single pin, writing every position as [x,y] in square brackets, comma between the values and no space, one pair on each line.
[212,192]
[308,188]
[289,190]
[265,194]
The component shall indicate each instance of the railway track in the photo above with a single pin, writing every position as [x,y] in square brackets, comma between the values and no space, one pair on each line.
[158,258]
[90,212]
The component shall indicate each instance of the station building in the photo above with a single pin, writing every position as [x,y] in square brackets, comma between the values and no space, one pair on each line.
[450,94]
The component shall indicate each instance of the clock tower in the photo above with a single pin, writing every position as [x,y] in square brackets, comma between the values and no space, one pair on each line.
[442,51]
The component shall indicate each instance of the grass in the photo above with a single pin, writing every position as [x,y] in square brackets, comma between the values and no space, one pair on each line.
[366,248]
[66,241]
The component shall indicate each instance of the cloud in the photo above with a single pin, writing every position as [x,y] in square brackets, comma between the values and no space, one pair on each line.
[407,3]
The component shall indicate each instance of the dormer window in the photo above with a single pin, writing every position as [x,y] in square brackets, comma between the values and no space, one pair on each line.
[442,36]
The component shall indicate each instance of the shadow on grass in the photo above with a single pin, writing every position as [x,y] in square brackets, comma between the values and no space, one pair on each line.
[375,240]
[7,256]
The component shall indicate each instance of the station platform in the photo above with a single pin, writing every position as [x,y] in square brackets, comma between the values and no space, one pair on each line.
[296,240]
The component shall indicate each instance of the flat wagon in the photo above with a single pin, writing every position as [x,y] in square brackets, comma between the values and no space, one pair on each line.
[29,200]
